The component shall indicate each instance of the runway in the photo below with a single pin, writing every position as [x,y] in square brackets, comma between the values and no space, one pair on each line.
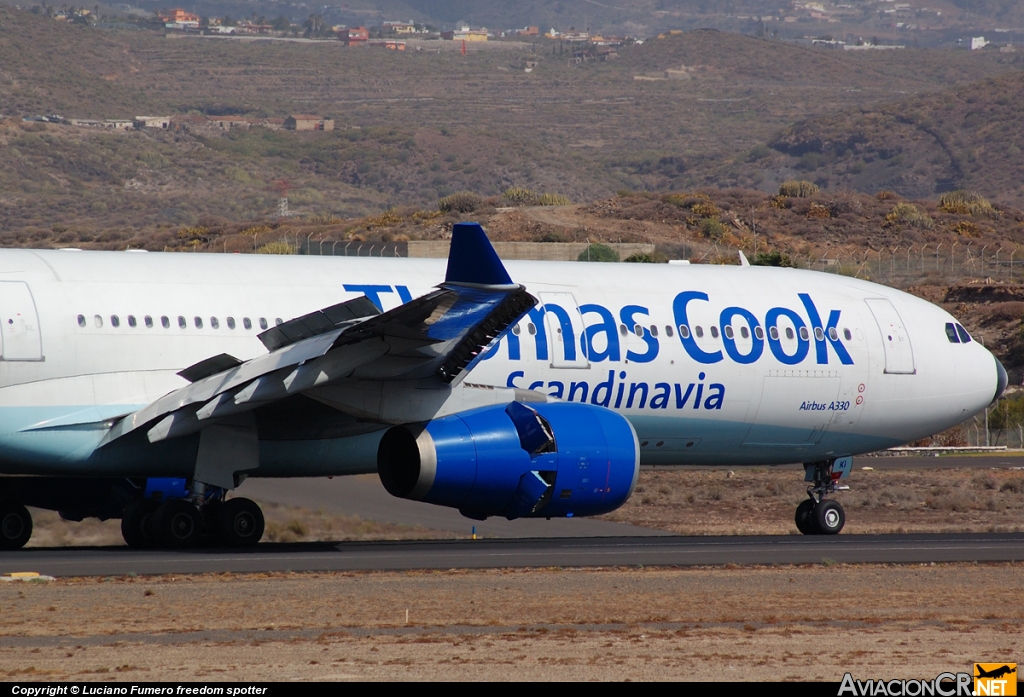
[523,553]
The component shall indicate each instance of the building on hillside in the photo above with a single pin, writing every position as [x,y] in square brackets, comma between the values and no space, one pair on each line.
[354,36]
[228,123]
[978,42]
[399,27]
[163,122]
[308,122]
[528,31]
[467,34]
[179,19]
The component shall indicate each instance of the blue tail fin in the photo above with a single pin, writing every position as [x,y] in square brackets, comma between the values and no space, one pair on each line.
[473,260]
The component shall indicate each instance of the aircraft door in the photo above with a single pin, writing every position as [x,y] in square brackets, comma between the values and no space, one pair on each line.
[899,355]
[19,323]
[563,325]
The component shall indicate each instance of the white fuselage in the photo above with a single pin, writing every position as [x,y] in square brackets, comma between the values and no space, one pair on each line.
[88,337]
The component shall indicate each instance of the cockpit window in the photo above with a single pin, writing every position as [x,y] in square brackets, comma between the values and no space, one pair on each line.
[964,336]
[951,333]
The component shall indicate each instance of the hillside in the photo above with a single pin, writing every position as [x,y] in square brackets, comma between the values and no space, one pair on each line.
[966,137]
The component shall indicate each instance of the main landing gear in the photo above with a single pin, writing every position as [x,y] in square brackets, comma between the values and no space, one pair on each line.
[818,515]
[182,523]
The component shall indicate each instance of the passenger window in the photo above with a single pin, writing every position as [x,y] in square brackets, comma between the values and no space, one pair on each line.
[774,333]
[278,322]
[699,331]
[819,334]
[847,334]
[131,321]
[668,330]
[728,331]
[623,330]
[149,321]
[214,323]
[951,333]
[231,322]
[804,334]
[654,330]
[199,322]
[714,331]
[165,322]
[638,330]
[81,320]
[181,322]
[684,331]
[246,323]
[115,321]
[98,321]
[263,322]
[833,334]
[964,336]
[744,332]
[515,329]
[530,329]
[759,333]
[789,332]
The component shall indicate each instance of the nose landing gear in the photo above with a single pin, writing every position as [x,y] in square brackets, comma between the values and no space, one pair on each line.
[818,515]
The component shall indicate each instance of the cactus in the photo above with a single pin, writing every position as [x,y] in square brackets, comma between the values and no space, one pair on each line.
[553,200]
[460,202]
[520,196]
[966,203]
[798,189]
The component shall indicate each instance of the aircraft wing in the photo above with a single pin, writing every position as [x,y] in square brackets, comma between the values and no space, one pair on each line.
[437,336]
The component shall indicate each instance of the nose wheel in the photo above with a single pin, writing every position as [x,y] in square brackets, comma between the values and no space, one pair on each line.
[818,515]
[824,517]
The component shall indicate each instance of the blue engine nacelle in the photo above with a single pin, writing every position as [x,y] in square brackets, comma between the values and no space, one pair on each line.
[540,460]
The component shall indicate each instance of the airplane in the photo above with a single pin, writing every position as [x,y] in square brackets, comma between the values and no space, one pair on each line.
[147,386]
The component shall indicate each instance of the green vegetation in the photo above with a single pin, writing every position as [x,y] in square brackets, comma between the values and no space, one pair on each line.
[276,248]
[774,258]
[598,252]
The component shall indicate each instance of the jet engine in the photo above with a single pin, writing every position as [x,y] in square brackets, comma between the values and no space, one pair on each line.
[540,460]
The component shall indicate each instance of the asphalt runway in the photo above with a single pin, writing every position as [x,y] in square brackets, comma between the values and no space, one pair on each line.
[522,553]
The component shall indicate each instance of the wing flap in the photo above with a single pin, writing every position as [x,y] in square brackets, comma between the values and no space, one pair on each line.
[438,336]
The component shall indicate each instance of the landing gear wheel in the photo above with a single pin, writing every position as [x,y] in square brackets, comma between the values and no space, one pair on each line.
[804,518]
[137,524]
[829,517]
[241,523]
[15,526]
[177,523]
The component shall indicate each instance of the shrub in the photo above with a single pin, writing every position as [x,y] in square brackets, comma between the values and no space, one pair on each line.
[818,212]
[598,252]
[965,228]
[886,195]
[712,228]
[276,248]
[798,189]
[966,203]
[773,259]
[706,209]
[758,152]
[553,200]
[908,214]
[641,258]
[459,202]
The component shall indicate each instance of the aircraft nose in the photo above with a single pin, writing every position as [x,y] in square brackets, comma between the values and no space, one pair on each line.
[1001,380]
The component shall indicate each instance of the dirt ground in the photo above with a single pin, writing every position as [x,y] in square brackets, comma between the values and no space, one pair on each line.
[759,501]
[783,623]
